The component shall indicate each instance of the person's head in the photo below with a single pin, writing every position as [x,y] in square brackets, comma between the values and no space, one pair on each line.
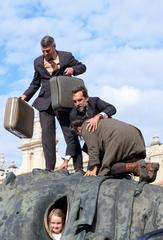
[48,47]
[76,125]
[80,97]
[56,221]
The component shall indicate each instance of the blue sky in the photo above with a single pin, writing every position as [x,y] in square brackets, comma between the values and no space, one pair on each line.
[120,41]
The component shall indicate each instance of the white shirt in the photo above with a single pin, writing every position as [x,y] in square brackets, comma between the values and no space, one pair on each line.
[56,236]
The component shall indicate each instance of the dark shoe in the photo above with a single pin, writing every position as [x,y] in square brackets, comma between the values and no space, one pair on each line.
[148,171]
[121,176]
[49,170]
[80,171]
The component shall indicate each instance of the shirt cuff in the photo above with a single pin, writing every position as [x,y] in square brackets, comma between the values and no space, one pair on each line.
[67,157]
[103,114]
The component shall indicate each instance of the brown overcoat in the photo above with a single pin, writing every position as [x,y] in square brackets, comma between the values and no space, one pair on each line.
[119,142]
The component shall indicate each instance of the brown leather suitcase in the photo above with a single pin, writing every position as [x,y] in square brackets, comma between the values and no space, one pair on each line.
[61,91]
[19,118]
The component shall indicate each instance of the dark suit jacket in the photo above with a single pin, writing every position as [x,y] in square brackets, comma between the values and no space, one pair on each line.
[95,106]
[41,78]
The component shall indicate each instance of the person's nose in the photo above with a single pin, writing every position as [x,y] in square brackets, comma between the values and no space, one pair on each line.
[45,53]
[78,104]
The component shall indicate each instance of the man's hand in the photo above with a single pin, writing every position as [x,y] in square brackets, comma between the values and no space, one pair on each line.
[92,123]
[64,165]
[69,71]
[23,97]
[92,172]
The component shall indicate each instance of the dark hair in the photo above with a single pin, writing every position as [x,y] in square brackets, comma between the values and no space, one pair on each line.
[77,123]
[82,89]
[47,41]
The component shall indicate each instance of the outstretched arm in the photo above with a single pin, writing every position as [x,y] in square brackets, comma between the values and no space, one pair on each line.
[93,151]
[33,87]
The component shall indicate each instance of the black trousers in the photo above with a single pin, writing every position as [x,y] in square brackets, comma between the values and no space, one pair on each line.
[48,125]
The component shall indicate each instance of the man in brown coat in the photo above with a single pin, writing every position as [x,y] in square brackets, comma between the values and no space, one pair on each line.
[122,146]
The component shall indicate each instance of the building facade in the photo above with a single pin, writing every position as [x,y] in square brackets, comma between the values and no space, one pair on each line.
[155,154]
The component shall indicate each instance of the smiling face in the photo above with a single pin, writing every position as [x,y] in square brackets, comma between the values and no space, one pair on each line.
[56,224]
[79,100]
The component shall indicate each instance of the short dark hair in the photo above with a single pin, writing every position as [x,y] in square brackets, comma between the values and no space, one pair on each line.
[77,123]
[47,41]
[82,89]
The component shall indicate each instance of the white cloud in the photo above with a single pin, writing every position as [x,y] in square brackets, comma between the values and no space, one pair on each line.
[141,108]
[121,43]
[124,97]
[135,67]
[134,23]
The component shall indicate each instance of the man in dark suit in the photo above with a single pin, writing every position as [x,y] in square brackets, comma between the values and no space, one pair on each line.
[53,63]
[122,146]
[92,108]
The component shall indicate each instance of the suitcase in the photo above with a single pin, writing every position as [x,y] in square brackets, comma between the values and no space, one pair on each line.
[61,91]
[19,118]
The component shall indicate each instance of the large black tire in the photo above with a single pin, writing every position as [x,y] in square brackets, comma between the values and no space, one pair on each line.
[98,208]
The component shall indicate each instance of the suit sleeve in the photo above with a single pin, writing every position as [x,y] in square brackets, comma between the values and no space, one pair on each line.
[73,115]
[34,85]
[78,67]
[105,107]
[93,148]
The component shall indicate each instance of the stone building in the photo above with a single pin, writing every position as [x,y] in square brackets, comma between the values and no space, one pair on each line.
[32,151]
[155,154]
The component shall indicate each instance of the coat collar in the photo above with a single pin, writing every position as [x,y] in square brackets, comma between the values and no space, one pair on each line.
[60,55]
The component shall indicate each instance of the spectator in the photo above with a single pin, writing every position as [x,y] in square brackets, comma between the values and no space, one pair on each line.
[56,222]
